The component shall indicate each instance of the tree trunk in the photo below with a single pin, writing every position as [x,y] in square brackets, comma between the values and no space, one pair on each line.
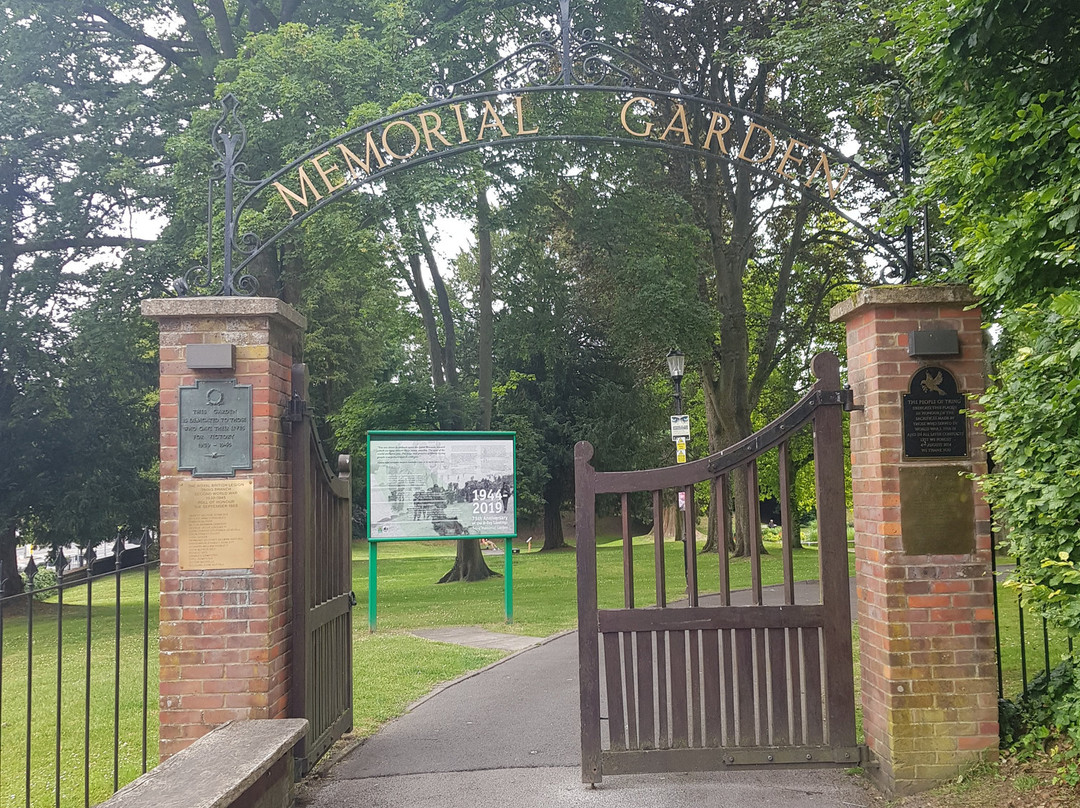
[553,530]
[11,583]
[469,564]
[712,533]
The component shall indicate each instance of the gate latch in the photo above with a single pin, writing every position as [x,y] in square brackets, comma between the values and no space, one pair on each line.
[352,599]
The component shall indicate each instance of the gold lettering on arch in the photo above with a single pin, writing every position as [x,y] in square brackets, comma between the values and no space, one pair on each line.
[626,126]
[746,142]
[679,117]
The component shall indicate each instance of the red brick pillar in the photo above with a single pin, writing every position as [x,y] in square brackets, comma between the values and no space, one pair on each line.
[224,646]
[922,535]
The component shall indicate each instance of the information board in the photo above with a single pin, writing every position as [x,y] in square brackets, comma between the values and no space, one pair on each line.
[441,485]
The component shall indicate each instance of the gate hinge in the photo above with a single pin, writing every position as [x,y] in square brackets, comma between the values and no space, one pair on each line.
[352,599]
[849,400]
[295,409]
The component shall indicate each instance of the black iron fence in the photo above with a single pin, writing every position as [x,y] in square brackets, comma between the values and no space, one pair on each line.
[78,680]
[1027,647]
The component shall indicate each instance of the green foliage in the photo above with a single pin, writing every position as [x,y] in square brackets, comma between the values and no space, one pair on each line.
[1046,718]
[1031,417]
[43,580]
[1002,81]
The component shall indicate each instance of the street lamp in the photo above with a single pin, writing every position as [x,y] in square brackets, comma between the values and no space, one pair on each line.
[676,363]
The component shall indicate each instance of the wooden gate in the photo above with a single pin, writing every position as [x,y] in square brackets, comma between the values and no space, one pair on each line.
[322,595]
[695,687]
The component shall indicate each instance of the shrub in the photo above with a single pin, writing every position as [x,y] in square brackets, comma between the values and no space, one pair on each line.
[44,579]
[1031,418]
[1046,718]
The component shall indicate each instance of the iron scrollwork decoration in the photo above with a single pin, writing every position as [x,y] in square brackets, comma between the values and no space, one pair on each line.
[227,139]
[567,57]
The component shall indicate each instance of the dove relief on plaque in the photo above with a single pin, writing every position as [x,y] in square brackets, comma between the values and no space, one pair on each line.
[935,423]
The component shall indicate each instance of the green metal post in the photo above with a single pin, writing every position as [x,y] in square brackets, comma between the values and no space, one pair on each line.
[508,580]
[371,578]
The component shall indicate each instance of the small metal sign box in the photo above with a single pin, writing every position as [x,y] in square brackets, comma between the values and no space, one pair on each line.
[215,428]
[680,426]
[935,424]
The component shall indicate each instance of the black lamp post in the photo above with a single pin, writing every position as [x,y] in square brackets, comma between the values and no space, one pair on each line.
[676,363]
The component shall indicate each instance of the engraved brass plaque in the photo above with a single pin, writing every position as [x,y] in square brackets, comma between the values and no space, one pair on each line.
[937,510]
[217,524]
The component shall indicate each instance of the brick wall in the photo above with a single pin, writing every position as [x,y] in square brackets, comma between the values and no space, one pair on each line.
[224,646]
[926,622]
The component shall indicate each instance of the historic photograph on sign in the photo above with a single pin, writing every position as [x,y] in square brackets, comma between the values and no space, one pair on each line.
[425,485]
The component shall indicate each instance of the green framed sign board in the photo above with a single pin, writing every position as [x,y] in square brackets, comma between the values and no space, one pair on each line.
[429,486]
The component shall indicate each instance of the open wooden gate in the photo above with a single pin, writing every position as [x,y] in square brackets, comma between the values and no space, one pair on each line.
[709,687]
[322,595]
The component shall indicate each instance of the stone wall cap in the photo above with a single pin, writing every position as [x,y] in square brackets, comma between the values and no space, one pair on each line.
[216,769]
[163,308]
[901,296]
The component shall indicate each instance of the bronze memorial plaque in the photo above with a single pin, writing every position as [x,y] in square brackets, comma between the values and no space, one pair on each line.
[935,424]
[937,510]
[215,418]
[217,524]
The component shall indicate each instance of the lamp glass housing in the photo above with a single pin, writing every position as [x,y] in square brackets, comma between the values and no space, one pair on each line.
[676,363]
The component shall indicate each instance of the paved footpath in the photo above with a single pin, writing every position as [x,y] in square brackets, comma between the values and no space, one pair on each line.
[508,737]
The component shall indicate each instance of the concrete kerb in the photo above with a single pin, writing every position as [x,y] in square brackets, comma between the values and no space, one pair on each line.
[347,744]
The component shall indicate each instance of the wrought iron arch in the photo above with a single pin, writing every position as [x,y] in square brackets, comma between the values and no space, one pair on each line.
[568,63]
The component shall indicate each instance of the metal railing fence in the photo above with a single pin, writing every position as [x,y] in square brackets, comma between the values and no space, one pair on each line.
[78,681]
[1015,636]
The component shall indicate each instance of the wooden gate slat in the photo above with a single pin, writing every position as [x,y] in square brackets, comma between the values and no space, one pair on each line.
[787,528]
[811,672]
[613,671]
[727,663]
[696,715]
[663,696]
[746,734]
[710,658]
[795,685]
[679,728]
[754,539]
[630,690]
[645,694]
[761,681]
[778,681]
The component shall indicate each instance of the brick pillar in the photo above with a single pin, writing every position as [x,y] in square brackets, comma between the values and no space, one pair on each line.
[224,645]
[925,612]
